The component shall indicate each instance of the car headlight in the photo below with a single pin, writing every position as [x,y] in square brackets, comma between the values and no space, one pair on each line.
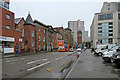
[118,56]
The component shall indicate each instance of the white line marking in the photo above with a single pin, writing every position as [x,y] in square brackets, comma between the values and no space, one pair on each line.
[71,69]
[45,59]
[10,61]
[101,59]
[33,61]
[59,58]
[38,66]
[22,58]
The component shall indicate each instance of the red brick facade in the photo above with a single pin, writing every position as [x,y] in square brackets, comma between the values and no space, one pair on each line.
[10,32]
[40,36]
[79,37]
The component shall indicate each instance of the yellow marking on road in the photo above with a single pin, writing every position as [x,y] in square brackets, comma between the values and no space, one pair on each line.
[48,70]
[59,78]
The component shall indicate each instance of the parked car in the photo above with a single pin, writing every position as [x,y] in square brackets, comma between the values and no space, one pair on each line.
[108,54]
[100,51]
[116,57]
[79,49]
[71,50]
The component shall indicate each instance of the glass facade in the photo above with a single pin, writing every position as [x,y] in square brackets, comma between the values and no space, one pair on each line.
[105,16]
[119,27]
[105,32]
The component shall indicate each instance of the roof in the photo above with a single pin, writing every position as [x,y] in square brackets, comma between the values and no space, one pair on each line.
[17,20]
[58,28]
[36,21]
[29,20]
[68,29]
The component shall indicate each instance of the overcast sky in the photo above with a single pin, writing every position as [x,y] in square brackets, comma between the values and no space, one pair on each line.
[58,12]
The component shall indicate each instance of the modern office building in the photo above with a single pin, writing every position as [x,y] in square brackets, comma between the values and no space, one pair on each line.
[76,26]
[105,27]
[73,25]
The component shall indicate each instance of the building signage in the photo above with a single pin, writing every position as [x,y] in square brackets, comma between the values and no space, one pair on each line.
[20,40]
[8,50]
[2,38]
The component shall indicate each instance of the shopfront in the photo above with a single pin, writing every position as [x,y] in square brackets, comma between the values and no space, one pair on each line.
[7,44]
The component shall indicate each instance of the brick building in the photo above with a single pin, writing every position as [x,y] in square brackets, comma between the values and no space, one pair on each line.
[79,37]
[9,37]
[27,29]
[69,36]
[41,43]
[66,34]
[19,25]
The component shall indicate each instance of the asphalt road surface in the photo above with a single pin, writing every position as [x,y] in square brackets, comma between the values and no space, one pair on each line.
[48,65]
[59,65]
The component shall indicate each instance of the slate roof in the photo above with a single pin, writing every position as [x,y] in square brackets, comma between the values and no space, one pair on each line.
[29,20]
[17,20]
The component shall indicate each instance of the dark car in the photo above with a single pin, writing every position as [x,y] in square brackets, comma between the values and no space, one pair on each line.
[116,58]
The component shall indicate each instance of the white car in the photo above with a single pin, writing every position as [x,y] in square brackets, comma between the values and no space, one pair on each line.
[100,51]
[108,54]
[79,50]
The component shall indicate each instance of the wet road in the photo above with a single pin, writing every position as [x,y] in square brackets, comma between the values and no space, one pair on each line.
[59,65]
[48,65]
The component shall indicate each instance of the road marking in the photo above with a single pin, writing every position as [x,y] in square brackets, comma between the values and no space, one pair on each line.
[45,59]
[22,58]
[59,58]
[71,69]
[38,66]
[101,59]
[33,61]
[10,61]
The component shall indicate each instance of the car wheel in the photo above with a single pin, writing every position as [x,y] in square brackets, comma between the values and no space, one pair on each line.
[100,54]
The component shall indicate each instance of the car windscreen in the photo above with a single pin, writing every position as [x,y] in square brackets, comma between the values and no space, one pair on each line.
[113,48]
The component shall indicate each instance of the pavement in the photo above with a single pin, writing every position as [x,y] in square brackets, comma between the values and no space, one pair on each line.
[90,66]
[8,55]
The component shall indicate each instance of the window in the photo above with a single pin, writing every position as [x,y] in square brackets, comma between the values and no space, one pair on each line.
[110,26]
[110,40]
[44,39]
[6,5]
[110,34]
[22,45]
[39,47]
[39,29]
[44,46]
[110,30]
[7,27]
[108,8]
[22,32]
[99,31]
[32,34]
[99,27]
[26,42]
[8,16]
[119,16]
[110,23]
[32,43]
[43,31]
[105,16]
[39,37]
[99,23]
